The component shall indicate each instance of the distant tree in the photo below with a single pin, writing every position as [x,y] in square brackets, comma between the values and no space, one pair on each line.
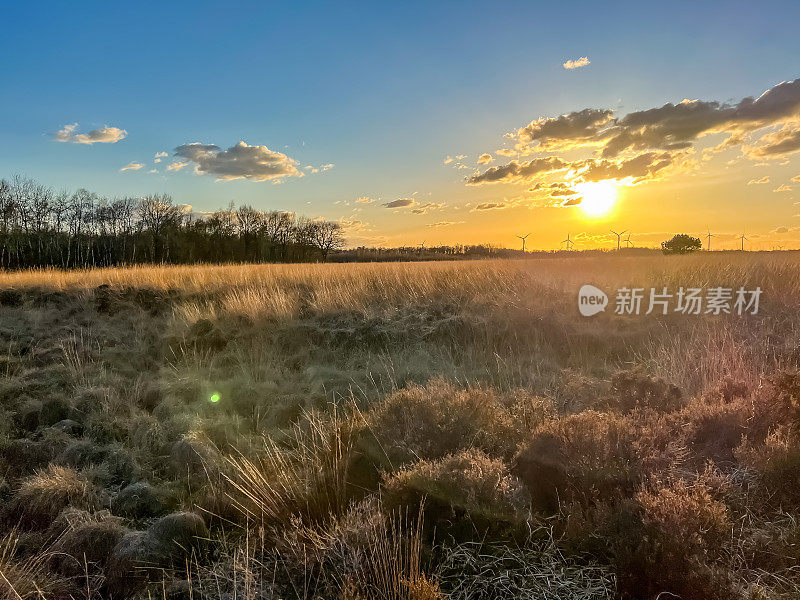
[324,236]
[158,213]
[681,244]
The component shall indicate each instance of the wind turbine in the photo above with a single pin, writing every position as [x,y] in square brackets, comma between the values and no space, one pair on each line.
[743,238]
[619,235]
[628,242]
[568,242]
[522,237]
[709,235]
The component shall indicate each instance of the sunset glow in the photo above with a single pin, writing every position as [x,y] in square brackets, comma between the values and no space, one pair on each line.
[457,138]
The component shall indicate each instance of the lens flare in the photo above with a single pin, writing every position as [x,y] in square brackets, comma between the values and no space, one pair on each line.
[214,398]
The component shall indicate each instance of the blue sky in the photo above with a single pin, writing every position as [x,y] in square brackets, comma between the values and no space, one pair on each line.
[384,92]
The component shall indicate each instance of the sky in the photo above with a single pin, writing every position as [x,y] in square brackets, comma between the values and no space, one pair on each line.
[422,123]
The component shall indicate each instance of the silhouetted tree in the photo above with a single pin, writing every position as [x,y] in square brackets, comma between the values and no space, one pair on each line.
[681,244]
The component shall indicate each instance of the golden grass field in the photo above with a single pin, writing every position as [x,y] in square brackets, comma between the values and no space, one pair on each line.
[405,430]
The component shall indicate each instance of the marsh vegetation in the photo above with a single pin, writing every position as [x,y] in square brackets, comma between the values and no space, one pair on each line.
[398,431]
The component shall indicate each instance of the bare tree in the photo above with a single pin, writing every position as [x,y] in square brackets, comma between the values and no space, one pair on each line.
[156,214]
[324,236]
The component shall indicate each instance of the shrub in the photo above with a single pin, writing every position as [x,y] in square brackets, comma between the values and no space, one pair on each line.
[635,389]
[28,415]
[204,335]
[165,544]
[86,548]
[137,500]
[777,463]
[781,398]
[11,297]
[23,456]
[119,467]
[44,495]
[594,456]
[465,485]
[53,410]
[438,419]
[728,389]
[193,455]
[713,430]
[82,453]
[689,519]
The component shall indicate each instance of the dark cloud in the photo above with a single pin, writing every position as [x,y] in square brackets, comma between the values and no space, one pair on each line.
[778,144]
[653,134]
[242,161]
[401,203]
[678,126]
[638,168]
[517,171]
[569,130]
[554,189]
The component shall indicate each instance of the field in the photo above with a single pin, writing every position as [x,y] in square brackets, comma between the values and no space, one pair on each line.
[413,431]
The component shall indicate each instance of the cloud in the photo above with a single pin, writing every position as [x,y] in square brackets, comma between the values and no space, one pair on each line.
[572,202]
[485,158]
[782,188]
[557,188]
[354,225]
[668,127]
[448,160]
[425,208]
[678,126]
[490,206]
[517,171]
[365,200]
[401,203]
[132,166]
[105,135]
[764,179]
[444,223]
[796,178]
[177,165]
[646,144]
[778,144]
[161,154]
[577,63]
[638,168]
[566,131]
[242,161]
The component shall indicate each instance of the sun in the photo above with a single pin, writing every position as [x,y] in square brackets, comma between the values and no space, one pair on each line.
[598,198]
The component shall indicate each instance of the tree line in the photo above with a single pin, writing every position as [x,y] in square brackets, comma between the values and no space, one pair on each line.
[40,227]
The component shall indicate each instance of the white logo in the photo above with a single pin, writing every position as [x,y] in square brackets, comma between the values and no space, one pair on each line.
[591,300]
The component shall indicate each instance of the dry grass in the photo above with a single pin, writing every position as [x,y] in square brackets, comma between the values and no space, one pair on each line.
[474,388]
[305,478]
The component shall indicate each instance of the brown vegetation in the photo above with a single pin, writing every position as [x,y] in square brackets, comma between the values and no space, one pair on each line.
[399,431]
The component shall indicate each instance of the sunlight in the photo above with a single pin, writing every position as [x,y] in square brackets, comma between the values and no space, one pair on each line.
[598,197]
